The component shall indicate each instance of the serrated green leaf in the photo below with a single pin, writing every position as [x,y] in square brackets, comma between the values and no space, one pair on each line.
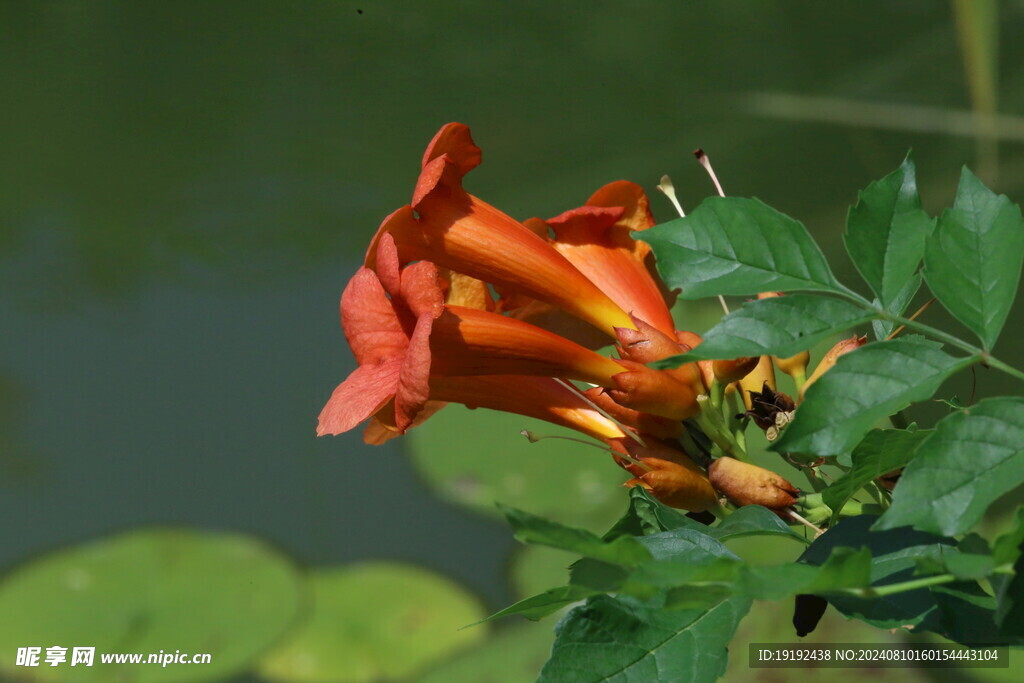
[865,385]
[646,515]
[541,605]
[973,259]
[781,326]
[684,545]
[881,451]
[732,245]
[971,459]
[624,550]
[886,231]
[753,520]
[591,643]
[883,328]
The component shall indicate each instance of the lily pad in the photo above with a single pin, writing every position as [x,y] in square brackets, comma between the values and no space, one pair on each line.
[477,458]
[144,592]
[375,621]
[512,655]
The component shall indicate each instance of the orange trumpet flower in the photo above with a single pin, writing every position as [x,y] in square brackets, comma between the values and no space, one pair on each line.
[456,230]
[401,333]
[596,239]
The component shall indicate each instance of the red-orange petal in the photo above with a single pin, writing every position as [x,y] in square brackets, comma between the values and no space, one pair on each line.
[368,318]
[358,397]
[595,240]
[414,378]
[454,140]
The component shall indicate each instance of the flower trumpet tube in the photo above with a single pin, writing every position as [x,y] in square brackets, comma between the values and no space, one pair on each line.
[538,397]
[449,227]
[746,484]
[830,358]
[468,341]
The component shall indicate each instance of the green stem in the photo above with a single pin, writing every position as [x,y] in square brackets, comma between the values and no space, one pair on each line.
[915,584]
[1000,365]
[976,353]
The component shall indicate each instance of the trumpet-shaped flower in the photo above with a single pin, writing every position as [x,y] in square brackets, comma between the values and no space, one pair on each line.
[402,333]
[450,227]
[596,239]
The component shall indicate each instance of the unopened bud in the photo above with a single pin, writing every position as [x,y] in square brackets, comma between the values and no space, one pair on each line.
[830,358]
[746,484]
[653,391]
[729,371]
[676,485]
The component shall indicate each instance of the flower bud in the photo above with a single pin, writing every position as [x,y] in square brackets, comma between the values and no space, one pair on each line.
[653,391]
[674,484]
[746,484]
[794,366]
[729,371]
[830,358]
[646,344]
[644,423]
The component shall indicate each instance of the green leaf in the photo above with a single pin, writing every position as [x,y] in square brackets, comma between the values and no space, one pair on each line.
[150,590]
[865,385]
[971,459]
[883,328]
[886,231]
[781,326]
[973,259]
[623,640]
[646,515]
[895,558]
[624,550]
[881,451]
[844,568]
[1010,602]
[752,520]
[1007,548]
[731,245]
[541,605]
[375,621]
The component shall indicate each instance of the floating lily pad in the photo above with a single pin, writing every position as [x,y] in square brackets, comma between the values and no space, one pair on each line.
[512,655]
[375,621]
[477,457]
[145,591]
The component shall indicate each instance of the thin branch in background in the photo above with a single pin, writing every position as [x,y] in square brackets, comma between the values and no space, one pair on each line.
[913,317]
